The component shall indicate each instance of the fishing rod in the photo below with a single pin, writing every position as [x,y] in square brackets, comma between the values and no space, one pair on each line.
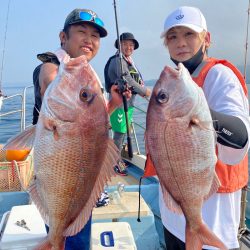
[122,85]
[242,226]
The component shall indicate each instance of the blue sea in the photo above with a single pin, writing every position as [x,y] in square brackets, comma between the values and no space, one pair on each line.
[10,125]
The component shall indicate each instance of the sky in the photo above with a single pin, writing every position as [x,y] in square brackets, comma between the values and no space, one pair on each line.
[33,27]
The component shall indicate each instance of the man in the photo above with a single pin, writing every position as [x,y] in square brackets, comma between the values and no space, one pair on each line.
[187,40]
[133,78]
[80,36]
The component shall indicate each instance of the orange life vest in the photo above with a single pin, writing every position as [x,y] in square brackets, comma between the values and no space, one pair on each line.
[234,177]
[231,177]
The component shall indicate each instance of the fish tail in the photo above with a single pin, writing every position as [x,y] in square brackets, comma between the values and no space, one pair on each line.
[47,245]
[203,236]
[44,245]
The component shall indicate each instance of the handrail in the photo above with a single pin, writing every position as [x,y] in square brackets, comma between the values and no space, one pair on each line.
[24,106]
[21,110]
[13,111]
[138,125]
[242,226]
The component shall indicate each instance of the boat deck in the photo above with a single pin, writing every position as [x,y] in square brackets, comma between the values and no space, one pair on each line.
[126,180]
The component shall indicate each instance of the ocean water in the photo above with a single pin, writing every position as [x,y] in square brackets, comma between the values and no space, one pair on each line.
[10,125]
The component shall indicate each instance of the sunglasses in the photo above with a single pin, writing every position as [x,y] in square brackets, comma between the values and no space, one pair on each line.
[86,16]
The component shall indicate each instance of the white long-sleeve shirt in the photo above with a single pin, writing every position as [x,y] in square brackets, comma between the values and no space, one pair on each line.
[221,212]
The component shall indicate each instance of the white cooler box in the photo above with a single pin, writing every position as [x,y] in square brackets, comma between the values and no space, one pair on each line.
[19,238]
[112,235]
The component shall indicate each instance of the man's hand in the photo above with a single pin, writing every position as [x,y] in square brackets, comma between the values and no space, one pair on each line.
[116,98]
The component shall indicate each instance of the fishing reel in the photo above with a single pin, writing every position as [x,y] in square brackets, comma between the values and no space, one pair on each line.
[123,86]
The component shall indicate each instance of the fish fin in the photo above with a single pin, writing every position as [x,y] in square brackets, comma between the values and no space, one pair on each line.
[149,169]
[170,202]
[214,187]
[107,171]
[51,125]
[38,202]
[55,134]
[23,140]
[195,239]
[205,125]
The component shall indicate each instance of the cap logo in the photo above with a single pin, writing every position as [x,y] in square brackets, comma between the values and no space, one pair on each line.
[179,17]
[92,13]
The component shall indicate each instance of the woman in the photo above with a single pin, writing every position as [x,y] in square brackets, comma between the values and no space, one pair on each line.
[133,78]
[187,39]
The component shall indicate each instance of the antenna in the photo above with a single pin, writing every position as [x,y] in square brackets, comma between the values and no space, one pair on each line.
[4,42]
[245,62]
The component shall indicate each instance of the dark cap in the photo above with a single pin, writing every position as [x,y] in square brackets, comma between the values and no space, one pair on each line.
[85,16]
[127,36]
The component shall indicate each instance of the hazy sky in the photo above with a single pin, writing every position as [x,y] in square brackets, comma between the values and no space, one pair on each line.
[34,25]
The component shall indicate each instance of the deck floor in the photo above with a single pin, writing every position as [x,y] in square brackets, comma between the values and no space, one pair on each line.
[126,180]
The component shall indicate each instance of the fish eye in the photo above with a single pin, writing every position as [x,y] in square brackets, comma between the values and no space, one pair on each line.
[85,95]
[162,97]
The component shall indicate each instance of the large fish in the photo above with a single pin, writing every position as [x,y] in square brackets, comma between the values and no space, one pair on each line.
[180,140]
[73,154]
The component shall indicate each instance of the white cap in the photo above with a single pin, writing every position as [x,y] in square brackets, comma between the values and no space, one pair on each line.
[189,17]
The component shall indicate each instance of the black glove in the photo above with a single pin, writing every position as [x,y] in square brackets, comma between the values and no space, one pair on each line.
[231,131]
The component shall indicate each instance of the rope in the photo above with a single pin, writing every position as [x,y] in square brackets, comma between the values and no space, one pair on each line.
[4,42]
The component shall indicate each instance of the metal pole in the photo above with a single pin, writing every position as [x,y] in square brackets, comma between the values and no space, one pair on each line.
[5,36]
[123,86]
[245,63]
[242,226]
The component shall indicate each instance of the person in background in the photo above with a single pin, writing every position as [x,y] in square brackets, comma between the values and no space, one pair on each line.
[133,78]
[80,36]
[187,39]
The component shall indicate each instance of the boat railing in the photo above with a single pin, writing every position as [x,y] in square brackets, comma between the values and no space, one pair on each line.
[21,110]
[24,104]
[138,124]
[243,226]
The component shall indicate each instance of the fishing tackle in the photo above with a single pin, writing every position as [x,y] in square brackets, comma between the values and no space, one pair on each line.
[123,86]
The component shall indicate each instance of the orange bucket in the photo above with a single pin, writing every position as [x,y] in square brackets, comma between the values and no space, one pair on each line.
[17,154]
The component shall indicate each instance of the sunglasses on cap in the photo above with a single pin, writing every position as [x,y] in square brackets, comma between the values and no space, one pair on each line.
[86,16]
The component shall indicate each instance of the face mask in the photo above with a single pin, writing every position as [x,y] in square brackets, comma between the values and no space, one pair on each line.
[192,63]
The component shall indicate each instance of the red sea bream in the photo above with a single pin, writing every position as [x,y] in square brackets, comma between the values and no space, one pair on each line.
[180,140]
[73,154]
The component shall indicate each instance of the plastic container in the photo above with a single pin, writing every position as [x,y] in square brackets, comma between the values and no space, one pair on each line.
[112,235]
[15,237]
